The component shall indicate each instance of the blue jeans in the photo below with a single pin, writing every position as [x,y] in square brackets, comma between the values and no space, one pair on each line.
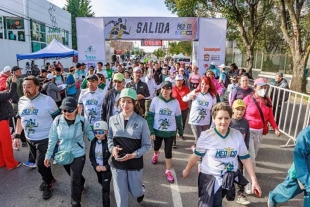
[285,191]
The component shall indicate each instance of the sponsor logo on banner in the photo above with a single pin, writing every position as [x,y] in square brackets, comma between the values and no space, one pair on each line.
[90,50]
[151,43]
[184,28]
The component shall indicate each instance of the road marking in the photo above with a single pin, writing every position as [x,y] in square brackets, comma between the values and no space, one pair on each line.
[176,195]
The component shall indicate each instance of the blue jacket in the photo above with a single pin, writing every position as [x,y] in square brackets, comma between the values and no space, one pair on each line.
[302,157]
[62,132]
[70,80]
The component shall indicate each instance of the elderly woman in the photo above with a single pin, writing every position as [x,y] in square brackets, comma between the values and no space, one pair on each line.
[242,91]
[219,149]
[258,113]
[128,141]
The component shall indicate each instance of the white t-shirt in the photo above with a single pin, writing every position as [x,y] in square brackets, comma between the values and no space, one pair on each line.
[165,113]
[219,154]
[98,153]
[36,116]
[200,113]
[92,103]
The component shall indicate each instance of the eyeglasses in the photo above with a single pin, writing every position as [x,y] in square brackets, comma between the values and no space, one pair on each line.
[68,110]
[100,132]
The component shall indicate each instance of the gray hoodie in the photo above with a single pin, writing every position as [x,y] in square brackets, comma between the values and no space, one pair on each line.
[52,90]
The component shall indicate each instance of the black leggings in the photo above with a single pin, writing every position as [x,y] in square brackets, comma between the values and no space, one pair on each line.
[168,145]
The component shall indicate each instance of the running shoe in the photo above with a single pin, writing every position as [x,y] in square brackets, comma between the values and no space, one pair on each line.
[47,191]
[155,158]
[243,200]
[174,144]
[181,138]
[54,162]
[169,176]
[30,164]
[140,199]
[19,164]
[270,204]
[248,189]
[43,184]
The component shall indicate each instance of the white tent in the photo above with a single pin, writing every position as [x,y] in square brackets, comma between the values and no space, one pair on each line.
[181,55]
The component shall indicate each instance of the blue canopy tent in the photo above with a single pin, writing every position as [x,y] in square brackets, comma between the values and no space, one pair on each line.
[53,50]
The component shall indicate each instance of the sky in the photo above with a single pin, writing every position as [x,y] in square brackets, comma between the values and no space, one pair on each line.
[127,8]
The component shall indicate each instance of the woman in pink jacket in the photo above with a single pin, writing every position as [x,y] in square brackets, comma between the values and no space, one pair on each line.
[253,115]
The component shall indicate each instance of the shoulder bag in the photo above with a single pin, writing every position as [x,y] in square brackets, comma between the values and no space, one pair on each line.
[266,127]
[65,157]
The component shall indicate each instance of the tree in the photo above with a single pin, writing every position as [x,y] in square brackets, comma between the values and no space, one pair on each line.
[78,8]
[184,47]
[245,18]
[295,29]
[159,53]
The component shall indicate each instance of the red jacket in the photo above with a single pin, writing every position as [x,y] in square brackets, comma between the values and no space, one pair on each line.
[253,116]
[178,94]
[3,78]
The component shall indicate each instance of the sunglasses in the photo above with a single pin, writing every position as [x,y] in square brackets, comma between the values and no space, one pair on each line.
[100,132]
[68,110]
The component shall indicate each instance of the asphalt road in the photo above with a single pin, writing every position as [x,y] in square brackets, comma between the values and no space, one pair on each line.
[20,187]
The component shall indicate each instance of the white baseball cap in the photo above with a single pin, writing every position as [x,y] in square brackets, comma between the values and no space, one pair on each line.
[212,63]
[222,66]
[136,69]
[179,77]
[6,69]
[100,125]
[50,76]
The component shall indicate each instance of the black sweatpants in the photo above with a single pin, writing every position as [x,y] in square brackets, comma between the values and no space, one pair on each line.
[38,150]
[104,178]
[75,170]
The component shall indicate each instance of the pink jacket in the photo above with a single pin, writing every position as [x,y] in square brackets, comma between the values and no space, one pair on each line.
[253,116]
[217,86]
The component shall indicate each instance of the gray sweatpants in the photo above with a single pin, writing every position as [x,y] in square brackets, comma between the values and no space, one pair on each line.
[198,129]
[125,181]
[256,137]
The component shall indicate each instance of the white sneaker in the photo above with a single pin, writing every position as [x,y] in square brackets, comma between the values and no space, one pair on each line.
[248,189]
[243,200]
[54,162]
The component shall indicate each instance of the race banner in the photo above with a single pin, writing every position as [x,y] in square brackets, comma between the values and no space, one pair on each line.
[163,28]
[212,42]
[90,40]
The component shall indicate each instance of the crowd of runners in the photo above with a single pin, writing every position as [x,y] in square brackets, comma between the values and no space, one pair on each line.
[125,110]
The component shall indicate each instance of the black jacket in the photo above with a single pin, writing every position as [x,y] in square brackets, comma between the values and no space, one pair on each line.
[142,89]
[6,109]
[275,93]
[108,105]
[105,152]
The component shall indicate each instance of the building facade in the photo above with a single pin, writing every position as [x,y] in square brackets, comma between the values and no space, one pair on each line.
[28,26]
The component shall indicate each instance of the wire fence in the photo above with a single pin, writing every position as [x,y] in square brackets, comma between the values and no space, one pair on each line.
[268,62]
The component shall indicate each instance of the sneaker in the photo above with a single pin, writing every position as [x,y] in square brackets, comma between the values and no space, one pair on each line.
[169,176]
[174,145]
[140,199]
[248,189]
[54,162]
[43,184]
[181,138]
[270,204]
[155,158]
[24,144]
[30,164]
[243,200]
[47,191]
[19,164]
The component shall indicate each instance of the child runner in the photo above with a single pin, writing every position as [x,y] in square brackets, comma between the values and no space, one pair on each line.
[241,124]
[99,155]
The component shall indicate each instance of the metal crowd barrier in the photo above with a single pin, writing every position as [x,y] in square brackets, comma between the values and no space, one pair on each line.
[291,111]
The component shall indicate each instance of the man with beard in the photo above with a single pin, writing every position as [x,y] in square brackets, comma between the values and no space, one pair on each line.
[35,115]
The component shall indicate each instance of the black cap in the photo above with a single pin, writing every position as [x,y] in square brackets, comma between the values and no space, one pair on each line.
[166,84]
[15,68]
[107,64]
[68,103]
[92,77]
[83,64]
[78,65]
[43,71]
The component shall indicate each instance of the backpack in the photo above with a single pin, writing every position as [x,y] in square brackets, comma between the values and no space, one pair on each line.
[43,91]
[58,119]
